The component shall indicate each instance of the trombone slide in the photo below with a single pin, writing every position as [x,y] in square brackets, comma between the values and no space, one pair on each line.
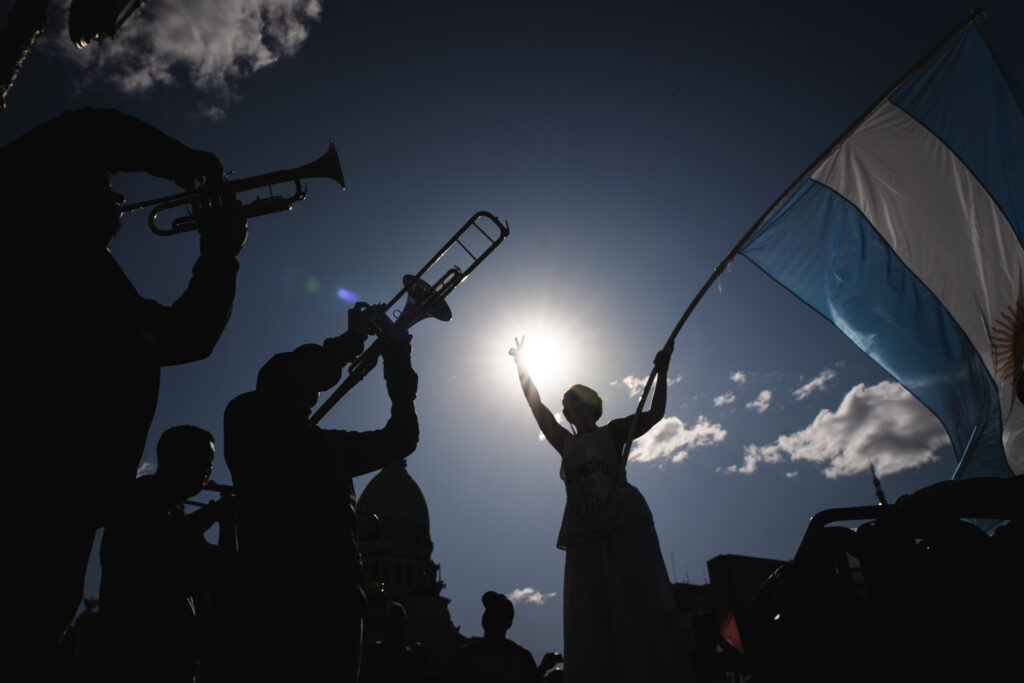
[423,301]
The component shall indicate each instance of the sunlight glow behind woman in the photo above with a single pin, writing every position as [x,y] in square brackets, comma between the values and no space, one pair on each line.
[549,356]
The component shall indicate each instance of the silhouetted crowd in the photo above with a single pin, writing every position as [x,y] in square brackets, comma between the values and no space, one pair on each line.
[281,596]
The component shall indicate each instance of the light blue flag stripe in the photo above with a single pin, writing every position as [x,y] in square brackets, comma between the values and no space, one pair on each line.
[825,267]
[966,102]
[908,238]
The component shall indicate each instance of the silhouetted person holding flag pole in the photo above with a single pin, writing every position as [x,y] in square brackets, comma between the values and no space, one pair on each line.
[300,602]
[157,564]
[85,349]
[619,616]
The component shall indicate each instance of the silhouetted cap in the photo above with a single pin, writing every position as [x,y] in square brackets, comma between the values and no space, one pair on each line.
[500,606]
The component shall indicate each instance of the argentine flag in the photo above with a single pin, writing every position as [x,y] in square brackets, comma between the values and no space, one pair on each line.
[907,235]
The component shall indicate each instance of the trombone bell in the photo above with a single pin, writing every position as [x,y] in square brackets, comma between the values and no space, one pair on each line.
[420,294]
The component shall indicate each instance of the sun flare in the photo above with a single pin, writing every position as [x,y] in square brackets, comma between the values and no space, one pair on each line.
[548,355]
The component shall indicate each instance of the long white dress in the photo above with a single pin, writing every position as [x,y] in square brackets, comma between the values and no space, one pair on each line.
[620,622]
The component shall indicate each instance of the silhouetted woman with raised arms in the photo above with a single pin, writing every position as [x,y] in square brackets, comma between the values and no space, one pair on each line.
[619,617]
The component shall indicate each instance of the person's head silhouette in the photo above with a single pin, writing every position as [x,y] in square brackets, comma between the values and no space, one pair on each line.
[498,615]
[184,458]
[582,407]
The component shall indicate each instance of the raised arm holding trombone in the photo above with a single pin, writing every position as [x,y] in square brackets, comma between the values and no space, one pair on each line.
[297,531]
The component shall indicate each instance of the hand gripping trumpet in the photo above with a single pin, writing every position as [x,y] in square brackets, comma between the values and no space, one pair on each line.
[422,301]
[327,166]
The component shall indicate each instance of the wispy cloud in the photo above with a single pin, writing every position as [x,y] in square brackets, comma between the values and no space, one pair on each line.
[883,424]
[816,384]
[528,595]
[636,384]
[211,44]
[725,399]
[672,440]
[633,383]
[762,402]
[738,377]
[145,468]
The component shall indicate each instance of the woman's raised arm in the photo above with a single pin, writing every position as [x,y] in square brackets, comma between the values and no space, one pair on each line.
[553,432]
[648,418]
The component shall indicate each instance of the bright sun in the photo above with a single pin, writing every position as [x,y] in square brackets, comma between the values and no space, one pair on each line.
[548,357]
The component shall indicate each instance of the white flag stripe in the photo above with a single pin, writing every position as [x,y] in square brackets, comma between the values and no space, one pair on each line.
[936,217]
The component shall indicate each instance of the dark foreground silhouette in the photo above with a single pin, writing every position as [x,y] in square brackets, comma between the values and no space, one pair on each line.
[916,593]
[88,347]
[494,657]
[158,569]
[299,598]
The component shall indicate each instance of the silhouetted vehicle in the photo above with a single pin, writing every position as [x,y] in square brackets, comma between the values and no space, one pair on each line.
[913,593]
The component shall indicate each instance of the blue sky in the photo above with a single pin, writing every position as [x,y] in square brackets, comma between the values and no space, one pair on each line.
[628,145]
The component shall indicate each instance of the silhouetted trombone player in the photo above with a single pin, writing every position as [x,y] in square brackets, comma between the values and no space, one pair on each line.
[299,603]
[85,348]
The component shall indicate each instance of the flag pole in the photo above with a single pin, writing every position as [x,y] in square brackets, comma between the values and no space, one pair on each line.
[976,14]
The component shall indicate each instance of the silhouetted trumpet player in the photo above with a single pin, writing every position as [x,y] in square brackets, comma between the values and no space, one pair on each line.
[158,567]
[82,338]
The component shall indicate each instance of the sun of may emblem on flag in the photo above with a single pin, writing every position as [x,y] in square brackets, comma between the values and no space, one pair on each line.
[1007,337]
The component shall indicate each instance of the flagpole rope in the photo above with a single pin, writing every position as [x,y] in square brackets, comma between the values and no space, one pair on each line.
[978,13]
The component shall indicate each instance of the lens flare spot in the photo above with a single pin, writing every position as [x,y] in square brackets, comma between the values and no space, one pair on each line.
[348,296]
[312,284]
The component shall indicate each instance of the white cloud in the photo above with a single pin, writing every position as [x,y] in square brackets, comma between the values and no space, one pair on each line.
[762,402]
[816,384]
[790,475]
[725,399]
[672,440]
[738,377]
[528,595]
[212,44]
[636,384]
[883,424]
[145,468]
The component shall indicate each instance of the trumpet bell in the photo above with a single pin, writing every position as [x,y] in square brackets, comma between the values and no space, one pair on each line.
[326,166]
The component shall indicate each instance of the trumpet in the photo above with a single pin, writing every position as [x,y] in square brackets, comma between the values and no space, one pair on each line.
[327,166]
[422,301]
[222,489]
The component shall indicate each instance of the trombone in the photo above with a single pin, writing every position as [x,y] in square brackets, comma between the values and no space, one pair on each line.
[327,166]
[422,301]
